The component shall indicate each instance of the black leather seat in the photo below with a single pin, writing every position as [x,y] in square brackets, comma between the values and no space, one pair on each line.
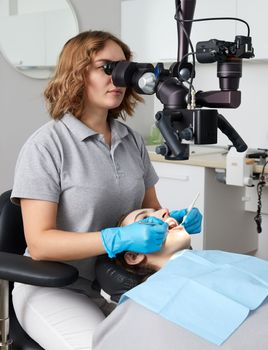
[17,268]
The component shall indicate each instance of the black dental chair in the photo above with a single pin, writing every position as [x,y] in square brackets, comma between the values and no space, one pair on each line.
[17,268]
[14,267]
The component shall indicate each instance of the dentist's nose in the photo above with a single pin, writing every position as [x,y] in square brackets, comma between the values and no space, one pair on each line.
[111,79]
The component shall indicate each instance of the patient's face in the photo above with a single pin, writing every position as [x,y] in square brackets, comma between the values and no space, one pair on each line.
[177,238]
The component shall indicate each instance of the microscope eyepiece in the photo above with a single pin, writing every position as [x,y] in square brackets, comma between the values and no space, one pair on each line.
[140,76]
[109,67]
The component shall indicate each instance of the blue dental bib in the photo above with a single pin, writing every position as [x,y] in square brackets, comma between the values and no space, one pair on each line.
[210,293]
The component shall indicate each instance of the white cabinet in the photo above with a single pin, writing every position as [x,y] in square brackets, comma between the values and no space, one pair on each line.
[226,225]
[149,27]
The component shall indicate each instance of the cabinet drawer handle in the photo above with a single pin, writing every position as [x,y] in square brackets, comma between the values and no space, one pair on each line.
[182,178]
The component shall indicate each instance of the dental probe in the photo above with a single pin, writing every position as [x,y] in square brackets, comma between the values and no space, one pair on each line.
[190,208]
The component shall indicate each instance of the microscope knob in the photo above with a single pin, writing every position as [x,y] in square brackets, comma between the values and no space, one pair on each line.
[186,134]
[147,83]
[162,149]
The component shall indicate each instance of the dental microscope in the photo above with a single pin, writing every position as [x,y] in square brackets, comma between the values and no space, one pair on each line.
[183,119]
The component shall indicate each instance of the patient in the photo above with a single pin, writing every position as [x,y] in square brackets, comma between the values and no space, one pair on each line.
[209,298]
[209,292]
[146,264]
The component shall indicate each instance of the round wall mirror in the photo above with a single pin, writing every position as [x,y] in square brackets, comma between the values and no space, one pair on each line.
[33,32]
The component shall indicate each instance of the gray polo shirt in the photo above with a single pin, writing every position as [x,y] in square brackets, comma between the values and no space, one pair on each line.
[66,162]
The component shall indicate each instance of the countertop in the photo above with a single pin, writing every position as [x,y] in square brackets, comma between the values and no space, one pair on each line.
[205,156]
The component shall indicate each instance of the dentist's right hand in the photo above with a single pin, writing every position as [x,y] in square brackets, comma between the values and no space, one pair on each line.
[144,236]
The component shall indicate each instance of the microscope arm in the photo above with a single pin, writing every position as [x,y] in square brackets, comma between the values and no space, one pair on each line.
[186,12]
[218,98]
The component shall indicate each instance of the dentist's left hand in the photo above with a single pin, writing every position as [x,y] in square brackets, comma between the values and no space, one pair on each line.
[193,222]
[144,236]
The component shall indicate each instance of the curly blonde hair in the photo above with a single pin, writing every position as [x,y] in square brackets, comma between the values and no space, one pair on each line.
[65,91]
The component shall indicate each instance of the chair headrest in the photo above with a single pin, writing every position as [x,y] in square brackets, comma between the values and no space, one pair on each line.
[114,279]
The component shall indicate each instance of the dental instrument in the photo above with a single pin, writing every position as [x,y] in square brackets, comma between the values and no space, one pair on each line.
[190,208]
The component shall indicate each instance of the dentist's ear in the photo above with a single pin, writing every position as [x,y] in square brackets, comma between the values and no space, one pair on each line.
[132,258]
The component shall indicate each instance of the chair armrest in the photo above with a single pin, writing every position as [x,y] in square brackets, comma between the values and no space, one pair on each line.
[23,269]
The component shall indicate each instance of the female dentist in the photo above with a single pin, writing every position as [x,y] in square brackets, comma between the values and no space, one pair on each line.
[74,178]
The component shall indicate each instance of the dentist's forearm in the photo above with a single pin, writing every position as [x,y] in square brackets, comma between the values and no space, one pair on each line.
[60,245]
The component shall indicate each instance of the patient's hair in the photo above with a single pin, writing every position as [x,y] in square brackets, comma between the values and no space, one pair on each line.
[142,270]
[65,92]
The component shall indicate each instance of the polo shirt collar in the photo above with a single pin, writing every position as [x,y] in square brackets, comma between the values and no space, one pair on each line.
[119,130]
[79,129]
[82,132]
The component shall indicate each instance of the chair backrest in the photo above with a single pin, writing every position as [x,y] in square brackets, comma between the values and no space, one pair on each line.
[11,227]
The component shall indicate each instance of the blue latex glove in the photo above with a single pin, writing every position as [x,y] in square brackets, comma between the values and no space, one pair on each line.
[193,222]
[144,236]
